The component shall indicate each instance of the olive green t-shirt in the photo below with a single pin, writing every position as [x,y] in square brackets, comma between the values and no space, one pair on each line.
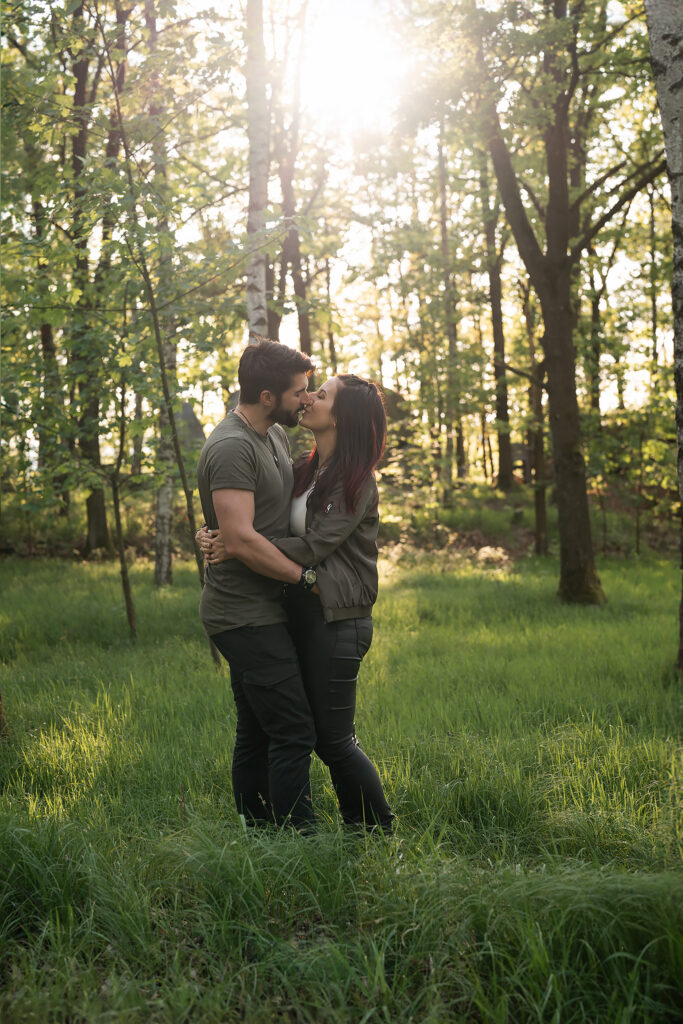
[238,458]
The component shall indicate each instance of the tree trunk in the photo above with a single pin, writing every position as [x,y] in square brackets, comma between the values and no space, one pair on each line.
[451,319]
[504,481]
[654,320]
[579,581]
[536,443]
[136,461]
[257,308]
[53,399]
[493,266]
[291,249]
[460,450]
[125,578]
[666,48]
[330,333]
[163,537]
[97,534]
[274,316]
[551,275]
[594,351]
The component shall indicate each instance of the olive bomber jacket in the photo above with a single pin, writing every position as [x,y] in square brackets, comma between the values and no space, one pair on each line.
[342,546]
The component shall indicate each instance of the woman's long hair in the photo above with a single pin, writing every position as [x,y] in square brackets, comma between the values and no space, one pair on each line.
[361,435]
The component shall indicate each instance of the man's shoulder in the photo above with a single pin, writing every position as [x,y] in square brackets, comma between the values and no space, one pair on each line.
[228,434]
[229,426]
[227,446]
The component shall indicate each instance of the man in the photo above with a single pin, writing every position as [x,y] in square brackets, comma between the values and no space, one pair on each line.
[245,484]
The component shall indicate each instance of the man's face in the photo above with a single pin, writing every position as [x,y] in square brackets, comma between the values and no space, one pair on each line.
[292,402]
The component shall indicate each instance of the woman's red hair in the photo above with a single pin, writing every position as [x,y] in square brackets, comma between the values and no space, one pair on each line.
[361,435]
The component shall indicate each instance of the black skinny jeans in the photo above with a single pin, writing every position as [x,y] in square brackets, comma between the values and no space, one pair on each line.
[330,655]
[275,733]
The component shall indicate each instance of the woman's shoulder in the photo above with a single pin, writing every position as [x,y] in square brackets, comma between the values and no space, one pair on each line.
[367,497]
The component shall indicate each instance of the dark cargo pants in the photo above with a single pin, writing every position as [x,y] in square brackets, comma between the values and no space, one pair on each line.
[275,732]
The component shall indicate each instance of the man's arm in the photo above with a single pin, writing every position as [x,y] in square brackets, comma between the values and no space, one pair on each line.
[235,513]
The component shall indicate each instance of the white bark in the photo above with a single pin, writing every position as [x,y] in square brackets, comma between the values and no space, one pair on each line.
[257,310]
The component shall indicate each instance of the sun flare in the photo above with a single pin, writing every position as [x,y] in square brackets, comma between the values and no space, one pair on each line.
[352,70]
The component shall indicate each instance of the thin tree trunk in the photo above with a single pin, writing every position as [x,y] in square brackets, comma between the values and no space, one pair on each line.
[137,249]
[536,431]
[97,532]
[163,536]
[330,333]
[257,309]
[666,48]
[125,578]
[53,400]
[482,421]
[274,317]
[136,462]
[460,450]
[493,267]
[594,351]
[654,320]
[115,480]
[453,417]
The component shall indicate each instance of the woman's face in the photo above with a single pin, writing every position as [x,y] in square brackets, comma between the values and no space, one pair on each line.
[317,416]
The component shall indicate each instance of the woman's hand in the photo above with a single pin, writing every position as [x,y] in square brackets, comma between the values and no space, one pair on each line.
[211,544]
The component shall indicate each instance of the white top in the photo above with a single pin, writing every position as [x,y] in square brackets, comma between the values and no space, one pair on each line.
[297,514]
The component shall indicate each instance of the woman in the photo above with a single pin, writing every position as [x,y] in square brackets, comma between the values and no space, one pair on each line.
[334,521]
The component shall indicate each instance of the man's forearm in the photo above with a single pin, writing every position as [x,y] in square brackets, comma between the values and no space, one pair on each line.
[263,557]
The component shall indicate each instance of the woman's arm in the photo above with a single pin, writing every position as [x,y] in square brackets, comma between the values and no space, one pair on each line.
[329,528]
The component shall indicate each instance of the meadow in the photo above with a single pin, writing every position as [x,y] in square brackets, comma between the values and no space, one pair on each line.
[531,752]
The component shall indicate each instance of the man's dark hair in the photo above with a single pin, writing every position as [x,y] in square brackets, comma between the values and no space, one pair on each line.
[269,366]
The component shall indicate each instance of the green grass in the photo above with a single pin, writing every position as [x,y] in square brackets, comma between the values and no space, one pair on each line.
[530,751]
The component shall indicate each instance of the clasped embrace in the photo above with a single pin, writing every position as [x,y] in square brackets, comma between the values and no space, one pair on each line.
[294,652]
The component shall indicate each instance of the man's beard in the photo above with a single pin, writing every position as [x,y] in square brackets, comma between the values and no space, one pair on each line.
[284,418]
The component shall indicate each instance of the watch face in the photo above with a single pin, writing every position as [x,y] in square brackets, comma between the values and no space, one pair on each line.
[309,576]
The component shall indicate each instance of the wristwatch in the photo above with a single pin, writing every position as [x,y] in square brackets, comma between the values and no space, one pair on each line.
[308,578]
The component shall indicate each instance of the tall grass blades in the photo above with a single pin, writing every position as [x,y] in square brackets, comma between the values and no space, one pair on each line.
[531,752]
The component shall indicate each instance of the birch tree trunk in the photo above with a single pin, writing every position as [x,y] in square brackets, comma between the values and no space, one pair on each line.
[257,308]
[665,29]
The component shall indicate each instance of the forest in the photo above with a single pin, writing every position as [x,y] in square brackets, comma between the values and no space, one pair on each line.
[490,243]
[470,203]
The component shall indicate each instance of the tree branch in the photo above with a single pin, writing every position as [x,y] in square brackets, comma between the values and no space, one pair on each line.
[626,197]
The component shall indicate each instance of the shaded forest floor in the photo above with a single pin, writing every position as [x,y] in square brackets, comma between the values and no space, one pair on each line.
[475,518]
[530,750]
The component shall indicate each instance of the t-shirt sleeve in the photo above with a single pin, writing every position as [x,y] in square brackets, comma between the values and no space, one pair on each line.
[231,464]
